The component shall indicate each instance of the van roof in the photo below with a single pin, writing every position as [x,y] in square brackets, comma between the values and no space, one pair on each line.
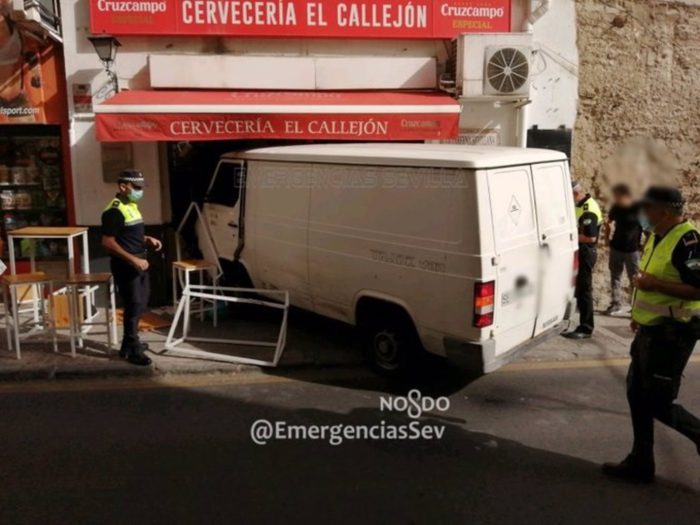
[403,154]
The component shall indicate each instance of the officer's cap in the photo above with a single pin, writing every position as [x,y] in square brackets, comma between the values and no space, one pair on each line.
[663,196]
[135,177]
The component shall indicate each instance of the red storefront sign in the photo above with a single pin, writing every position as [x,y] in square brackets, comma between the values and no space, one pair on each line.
[300,18]
[195,115]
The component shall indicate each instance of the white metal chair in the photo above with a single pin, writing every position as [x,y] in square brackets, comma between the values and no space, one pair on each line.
[36,289]
[81,321]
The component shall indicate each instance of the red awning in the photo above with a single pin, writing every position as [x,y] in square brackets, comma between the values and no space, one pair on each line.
[221,115]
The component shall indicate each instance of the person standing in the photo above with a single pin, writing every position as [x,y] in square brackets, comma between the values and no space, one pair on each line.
[666,321]
[623,220]
[589,218]
[124,238]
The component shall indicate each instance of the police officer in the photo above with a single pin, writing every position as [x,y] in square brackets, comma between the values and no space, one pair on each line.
[665,317]
[590,219]
[123,236]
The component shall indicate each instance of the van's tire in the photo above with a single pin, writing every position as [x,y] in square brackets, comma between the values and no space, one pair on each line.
[391,343]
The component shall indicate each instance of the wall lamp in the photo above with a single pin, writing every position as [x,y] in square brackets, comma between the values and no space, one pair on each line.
[106,47]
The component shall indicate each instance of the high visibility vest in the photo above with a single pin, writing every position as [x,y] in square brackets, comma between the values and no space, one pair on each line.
[130,211]
[651,308]
[589,205]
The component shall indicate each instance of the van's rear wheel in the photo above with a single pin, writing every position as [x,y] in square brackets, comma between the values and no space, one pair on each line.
[392,345]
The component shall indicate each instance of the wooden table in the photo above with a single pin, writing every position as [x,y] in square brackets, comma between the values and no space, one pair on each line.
[67,233]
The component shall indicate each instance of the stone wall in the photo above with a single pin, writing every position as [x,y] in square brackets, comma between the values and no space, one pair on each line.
[639,90]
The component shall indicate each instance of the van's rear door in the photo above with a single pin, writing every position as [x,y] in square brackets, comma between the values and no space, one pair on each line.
[555,223]
[517,255]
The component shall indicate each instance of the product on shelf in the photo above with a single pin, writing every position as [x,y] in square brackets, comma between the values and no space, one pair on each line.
[23,200]
[7,199]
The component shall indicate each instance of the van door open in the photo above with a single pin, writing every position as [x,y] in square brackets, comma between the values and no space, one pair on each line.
[554,205]
[222,210]
[517,254]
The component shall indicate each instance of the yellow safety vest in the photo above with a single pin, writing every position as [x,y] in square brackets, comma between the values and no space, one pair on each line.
[651,308]
[130,211]
[589,205]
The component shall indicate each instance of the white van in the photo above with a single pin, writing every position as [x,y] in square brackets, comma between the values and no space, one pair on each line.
[467,252]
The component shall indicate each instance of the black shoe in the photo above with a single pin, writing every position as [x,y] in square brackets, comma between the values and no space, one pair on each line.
[577,334]
[137,357]
[631,469]
[124,352]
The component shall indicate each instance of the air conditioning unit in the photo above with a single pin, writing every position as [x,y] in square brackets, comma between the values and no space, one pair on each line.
[494,65]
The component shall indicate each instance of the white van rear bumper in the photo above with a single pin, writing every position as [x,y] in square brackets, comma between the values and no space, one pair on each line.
[481,357]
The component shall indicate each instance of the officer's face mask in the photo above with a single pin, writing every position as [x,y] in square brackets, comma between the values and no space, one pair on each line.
[649,218]
[645,222]
[135,194]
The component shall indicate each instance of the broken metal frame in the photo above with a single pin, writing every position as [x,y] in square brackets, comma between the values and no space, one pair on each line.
[214,294]
[209,237]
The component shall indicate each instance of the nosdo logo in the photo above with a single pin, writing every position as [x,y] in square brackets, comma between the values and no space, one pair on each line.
[414,404]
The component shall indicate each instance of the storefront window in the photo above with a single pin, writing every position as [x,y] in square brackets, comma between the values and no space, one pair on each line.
[32,190]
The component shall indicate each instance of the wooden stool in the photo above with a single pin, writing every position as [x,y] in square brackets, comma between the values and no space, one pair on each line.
[181,274]
[89,283]
[15,291]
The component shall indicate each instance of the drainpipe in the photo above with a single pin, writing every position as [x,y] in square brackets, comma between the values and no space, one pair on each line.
[535,15]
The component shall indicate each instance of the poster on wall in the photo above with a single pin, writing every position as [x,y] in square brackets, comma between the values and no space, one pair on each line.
[28,75]
[301,18]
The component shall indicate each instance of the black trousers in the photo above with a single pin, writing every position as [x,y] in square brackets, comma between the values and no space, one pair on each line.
[584,287]
[659,356]
[134,288]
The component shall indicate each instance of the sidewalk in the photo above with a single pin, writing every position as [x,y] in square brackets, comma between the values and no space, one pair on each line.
[311,342]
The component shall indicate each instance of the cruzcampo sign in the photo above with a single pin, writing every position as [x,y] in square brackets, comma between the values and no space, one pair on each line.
[300,18]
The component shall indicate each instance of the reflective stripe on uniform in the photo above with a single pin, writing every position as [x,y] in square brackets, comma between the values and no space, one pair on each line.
[677,312]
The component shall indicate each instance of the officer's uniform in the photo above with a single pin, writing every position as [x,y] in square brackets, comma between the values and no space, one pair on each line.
[589,218]
[665,339]
[123,221]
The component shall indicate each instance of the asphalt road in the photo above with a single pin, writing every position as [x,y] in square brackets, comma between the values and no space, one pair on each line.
[521,446]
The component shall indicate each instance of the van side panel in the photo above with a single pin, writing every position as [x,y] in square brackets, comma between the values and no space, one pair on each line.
[277,211]
[395,232]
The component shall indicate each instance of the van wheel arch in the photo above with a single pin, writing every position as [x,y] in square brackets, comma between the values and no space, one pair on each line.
[391,341]
[236,274]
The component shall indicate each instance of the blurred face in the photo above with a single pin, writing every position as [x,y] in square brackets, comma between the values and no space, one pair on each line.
[654,214]
[622,199]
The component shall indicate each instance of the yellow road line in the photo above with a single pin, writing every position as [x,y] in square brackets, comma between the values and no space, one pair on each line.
[574,364]
[260,378]
[175,381]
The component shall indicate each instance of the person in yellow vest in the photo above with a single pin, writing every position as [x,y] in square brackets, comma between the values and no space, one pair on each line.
[124,238]
[590,219]
[666,320]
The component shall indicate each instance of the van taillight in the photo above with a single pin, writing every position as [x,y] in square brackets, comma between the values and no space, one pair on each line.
[483,303]
[576,265]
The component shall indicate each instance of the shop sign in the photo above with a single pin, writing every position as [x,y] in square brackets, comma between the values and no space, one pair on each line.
[179,127]
[300,18]
[82,98]
[116,157]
